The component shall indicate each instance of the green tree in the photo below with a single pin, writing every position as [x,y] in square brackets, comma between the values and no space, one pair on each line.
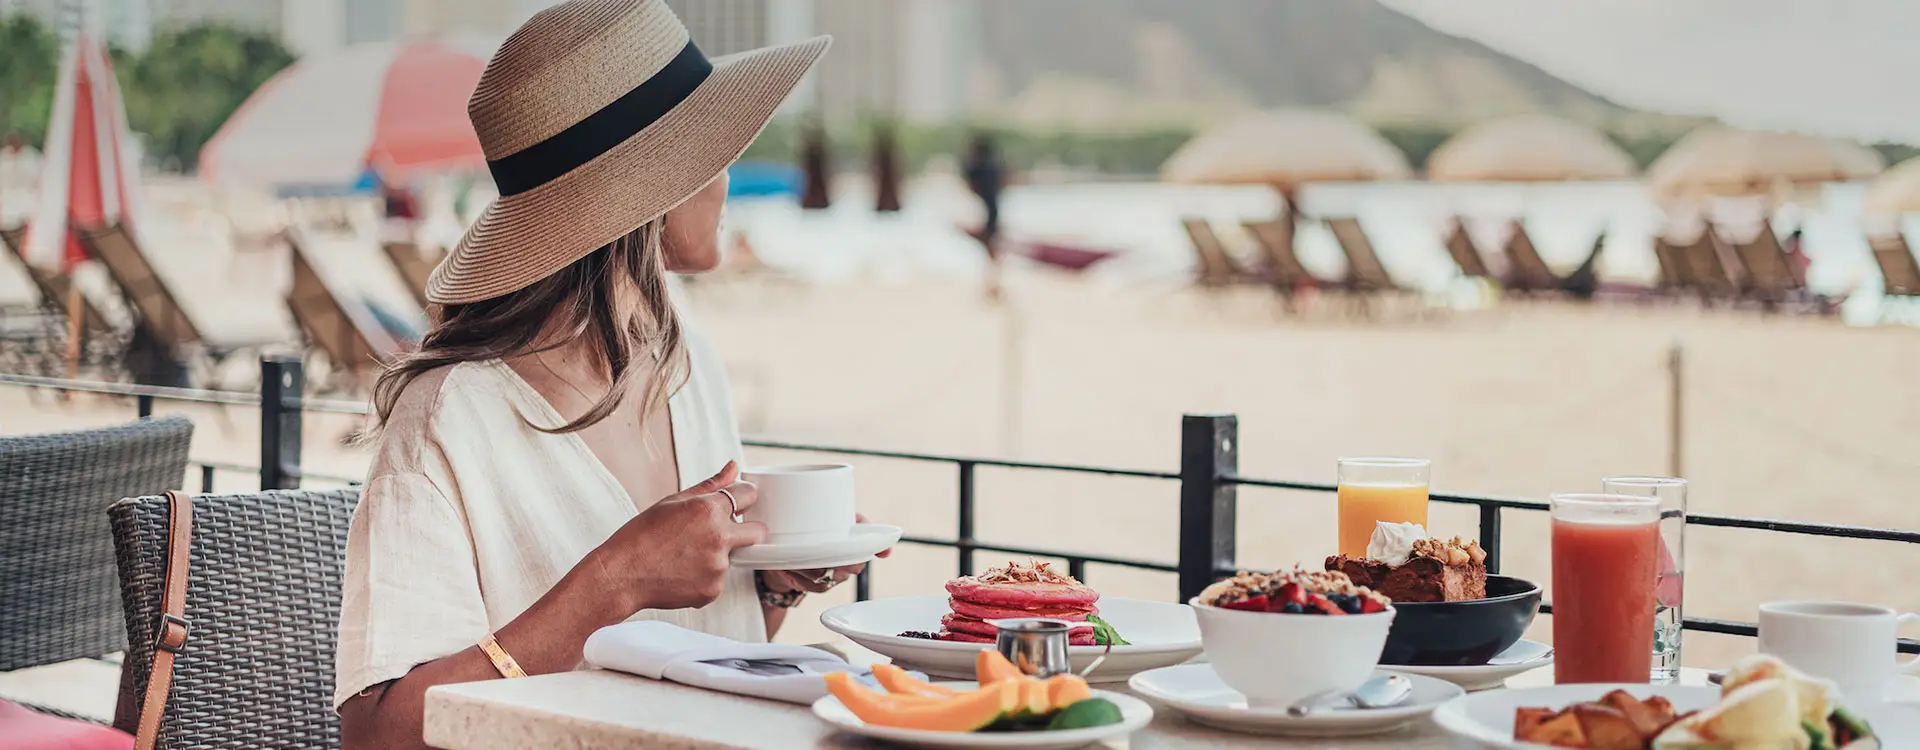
[29,66]
[189,81]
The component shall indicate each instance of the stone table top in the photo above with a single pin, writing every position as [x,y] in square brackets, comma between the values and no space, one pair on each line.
[596,710]
[593,709]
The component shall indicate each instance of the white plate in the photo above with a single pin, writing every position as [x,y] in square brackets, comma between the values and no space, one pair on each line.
[1134,714]
[861,544]
[1520,657]
[1196,691]
[1161,634]
[1488,717]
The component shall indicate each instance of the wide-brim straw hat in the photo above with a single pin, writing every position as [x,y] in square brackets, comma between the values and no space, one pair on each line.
[597,117]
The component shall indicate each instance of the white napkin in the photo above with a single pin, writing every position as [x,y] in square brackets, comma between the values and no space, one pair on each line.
[664,651]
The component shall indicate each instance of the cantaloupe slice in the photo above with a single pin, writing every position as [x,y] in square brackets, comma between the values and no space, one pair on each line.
[844,682]
[1064,690]
[898,682]
[1033,697]
[961,713]
[990,667]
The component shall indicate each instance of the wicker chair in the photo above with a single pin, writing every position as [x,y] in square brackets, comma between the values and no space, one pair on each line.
[263,597]
[56,551]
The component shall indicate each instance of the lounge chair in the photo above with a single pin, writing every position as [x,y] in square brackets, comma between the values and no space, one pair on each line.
[1282,267]
[1767,276]
[1901,273]
[165,340]
[1217,267]
[55,288]
[1676,275]
[1465,254]
[1526,271]
[339,325]
[415,265]
[1707,262]
[1365,273]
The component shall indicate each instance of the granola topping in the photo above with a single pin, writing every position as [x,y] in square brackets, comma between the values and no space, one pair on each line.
[1298,591]
[1453,551]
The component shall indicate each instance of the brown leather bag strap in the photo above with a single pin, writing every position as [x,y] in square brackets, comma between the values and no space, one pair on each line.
[172,633]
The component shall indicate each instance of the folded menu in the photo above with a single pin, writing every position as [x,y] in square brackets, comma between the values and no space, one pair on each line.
[664,651]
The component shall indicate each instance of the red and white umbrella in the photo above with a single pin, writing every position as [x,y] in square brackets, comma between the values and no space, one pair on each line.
[399,108]
[89,176]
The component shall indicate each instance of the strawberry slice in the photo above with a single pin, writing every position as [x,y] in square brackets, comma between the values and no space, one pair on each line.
[1291,592]
[1370,605]
[1325,605]
[1249,604]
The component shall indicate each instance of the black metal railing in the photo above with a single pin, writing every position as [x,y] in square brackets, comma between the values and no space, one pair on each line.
[1208,480]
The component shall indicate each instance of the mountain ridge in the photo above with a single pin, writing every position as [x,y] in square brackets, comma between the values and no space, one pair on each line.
[1153,62]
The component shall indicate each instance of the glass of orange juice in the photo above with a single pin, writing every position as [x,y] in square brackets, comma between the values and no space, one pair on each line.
[1380,489]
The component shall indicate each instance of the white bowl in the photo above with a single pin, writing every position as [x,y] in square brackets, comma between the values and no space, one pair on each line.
[1275,658]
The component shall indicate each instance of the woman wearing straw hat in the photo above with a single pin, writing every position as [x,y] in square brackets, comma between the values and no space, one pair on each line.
[560,453]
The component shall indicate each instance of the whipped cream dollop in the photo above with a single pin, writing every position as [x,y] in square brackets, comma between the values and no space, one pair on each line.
[1392,543]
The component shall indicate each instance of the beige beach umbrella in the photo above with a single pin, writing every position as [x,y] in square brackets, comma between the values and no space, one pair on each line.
[1528,148]
[1895,192]
[1722,162]
[1285,148]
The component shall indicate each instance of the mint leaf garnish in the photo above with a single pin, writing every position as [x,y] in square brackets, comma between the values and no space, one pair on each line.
[1104,634]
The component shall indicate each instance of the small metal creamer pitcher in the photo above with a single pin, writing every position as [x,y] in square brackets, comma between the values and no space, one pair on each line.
[1036,645]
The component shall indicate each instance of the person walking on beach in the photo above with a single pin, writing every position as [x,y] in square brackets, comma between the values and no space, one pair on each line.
[886,171]
[986,176]
[560,452]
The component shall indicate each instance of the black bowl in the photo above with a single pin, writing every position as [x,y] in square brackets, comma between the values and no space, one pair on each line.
[1462,633]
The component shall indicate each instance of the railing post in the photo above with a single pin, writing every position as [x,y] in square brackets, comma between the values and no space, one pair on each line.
[145,405]
[282,377]
[1209,451]
[1490,536]
[964,541]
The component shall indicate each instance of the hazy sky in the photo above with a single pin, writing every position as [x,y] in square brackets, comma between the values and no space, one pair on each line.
[1844,67]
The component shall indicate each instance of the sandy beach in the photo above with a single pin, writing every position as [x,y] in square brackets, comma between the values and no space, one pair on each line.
[1784,417]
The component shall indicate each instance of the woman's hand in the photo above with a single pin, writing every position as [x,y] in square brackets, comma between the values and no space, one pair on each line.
[674,555]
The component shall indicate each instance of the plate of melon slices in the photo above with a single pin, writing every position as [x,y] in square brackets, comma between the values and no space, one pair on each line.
[1002,709]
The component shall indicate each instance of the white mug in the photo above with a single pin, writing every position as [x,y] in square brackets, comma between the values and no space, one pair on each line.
[803,503]
[1854,645]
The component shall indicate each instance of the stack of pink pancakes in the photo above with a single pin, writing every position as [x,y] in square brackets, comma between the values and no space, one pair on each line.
[1013,592]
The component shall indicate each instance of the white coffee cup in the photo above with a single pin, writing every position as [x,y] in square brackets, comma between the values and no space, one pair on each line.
[1854,645]
[803,503]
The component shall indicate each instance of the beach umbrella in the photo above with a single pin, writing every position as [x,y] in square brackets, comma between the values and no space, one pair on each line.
[1285,148]
[89,175]
[1529,148]
[1722,162]
[399,108]
[1895,192]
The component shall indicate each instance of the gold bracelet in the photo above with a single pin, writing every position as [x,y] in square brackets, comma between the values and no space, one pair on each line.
[502,661]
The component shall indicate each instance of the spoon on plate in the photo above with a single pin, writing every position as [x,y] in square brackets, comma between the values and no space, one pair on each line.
[1381,691]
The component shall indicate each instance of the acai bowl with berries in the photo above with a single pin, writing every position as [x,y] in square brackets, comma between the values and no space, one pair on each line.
[1280,637]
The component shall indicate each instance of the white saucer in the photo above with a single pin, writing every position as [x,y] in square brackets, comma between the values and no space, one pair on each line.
[1520,657]
[862,543]
[1196,691]
[1134,714]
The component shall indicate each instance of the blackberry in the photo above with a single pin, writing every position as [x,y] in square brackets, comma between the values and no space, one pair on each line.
[920,634]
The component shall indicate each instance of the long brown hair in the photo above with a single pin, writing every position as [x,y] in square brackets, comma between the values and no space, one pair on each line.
[580,302]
